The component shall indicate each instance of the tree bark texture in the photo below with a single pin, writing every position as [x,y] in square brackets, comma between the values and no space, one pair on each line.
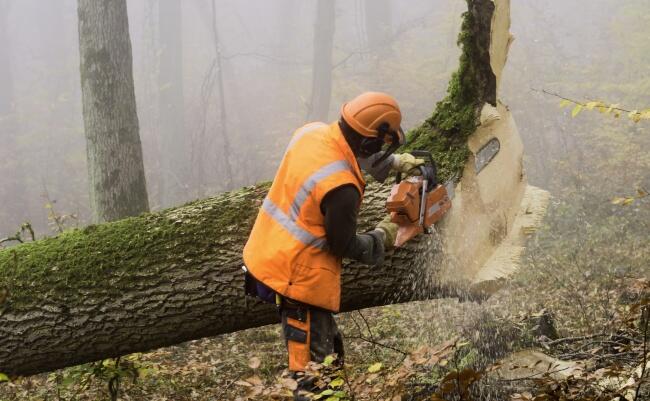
[174,178]
[162,278]
[114,152]
[321,82]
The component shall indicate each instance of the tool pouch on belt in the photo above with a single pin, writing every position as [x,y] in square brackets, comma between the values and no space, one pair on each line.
[296,325]
[254,288]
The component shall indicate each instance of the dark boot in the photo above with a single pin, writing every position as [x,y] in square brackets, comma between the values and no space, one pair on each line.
[306,387]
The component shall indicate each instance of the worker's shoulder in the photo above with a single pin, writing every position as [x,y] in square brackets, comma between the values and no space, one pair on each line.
[315,134]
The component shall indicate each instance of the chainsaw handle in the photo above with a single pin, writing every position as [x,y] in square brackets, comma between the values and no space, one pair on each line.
[423,154]
[427,170]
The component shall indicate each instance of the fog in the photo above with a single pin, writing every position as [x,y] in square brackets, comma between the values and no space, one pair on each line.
[220,87]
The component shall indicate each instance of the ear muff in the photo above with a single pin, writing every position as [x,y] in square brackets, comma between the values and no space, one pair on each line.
[386,135]
[370,146]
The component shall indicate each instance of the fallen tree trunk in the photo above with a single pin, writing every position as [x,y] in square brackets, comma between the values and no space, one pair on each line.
[163,278]
[152,281]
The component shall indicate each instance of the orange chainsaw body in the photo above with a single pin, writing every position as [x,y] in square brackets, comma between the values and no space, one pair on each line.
[407,211]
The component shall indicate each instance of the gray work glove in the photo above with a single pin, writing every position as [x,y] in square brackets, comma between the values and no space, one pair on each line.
[406,163]
[372,244]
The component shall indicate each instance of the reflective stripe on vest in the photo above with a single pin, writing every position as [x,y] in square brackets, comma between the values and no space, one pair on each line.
[312,180]
[302,131]
[289,222]
[290,225]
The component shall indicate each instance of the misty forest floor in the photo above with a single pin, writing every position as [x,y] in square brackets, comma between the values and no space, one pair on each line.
[578,300]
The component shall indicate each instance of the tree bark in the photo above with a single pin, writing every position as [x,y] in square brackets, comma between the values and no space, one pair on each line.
[162,278]
[321,83]
[174,179]
[115,166]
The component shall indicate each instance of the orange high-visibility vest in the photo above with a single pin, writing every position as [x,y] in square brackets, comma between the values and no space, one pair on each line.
[287,248]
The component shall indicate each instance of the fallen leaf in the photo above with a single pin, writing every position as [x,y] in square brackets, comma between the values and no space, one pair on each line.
[289,383]
[254,362]
[254,380]
[375,367]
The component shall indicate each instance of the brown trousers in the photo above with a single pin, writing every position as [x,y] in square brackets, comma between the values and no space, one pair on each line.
[310,334]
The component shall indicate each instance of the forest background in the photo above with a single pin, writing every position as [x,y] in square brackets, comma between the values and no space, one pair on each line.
[585,50]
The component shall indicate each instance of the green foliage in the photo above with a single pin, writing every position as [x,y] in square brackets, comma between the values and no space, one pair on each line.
[614,110]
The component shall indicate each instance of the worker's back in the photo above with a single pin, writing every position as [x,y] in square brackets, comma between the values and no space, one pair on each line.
[287,247]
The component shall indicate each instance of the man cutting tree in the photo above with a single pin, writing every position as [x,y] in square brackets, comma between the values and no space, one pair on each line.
[307,223]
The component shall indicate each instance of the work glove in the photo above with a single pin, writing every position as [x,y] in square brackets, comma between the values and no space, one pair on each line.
[390,232]
[406,163]
[373,247]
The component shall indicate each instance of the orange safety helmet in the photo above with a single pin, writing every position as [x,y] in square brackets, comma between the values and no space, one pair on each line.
[375,116]
[371,112]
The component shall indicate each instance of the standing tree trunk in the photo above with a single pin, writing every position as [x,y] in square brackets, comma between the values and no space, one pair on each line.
[321,83]
[12,193]
[223,114]
[174,178]
[378,25]
[6,75]
[115,167]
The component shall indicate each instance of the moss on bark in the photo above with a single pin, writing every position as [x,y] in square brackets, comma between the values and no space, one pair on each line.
[456,117]
[46,268]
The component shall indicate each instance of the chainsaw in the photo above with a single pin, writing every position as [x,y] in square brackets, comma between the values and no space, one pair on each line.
[419,201]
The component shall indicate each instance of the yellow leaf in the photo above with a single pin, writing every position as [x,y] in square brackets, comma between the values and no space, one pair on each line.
[591,105]
[628,201]
[618,201]
[329,360]
[336,383]
[576,110]
[375,367]
[634,115]
[3,378]
[565,103]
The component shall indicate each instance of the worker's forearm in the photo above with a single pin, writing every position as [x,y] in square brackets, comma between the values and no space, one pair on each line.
[367,248]
[381,171]
[340,210]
